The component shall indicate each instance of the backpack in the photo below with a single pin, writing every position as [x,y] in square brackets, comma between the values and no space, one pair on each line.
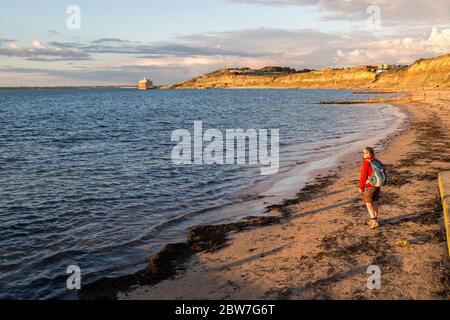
[379,176]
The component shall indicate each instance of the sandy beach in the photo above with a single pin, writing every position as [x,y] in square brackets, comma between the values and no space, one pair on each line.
[318,246]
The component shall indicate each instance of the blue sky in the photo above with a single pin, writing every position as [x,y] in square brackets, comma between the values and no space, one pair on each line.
[149,20]
[173,40]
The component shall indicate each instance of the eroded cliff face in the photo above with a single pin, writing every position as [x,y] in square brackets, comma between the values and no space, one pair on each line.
[327,78]
[228,78]
[423,73]
[433,72]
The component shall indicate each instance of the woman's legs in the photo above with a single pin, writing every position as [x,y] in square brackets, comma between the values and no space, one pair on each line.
[371,209]
[370,196]
[375,209]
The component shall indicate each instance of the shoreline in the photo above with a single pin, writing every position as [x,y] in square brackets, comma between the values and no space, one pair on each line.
[211,239]
[347,159]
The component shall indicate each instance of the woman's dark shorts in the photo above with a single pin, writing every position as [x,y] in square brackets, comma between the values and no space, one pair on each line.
[371,194]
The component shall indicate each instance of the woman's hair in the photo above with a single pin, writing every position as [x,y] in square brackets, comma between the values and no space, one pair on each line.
[370,151]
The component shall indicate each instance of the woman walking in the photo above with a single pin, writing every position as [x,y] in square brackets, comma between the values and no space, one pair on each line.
[369,186]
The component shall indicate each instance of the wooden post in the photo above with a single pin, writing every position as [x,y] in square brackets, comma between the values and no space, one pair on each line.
[444,179]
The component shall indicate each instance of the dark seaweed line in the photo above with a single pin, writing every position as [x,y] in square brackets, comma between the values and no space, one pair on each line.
[208,238]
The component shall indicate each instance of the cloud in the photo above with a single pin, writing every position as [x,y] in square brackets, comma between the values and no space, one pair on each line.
[249,47]
[396,50]
[391,10]
[111,40]
[3,40]
[38,45]
[273,46]
[40,52]
[174,48]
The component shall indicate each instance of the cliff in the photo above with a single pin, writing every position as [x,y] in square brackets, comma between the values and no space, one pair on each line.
[433,72]
[248,78]
[328,78]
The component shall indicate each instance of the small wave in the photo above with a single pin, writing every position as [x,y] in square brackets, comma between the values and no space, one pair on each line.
[57,257]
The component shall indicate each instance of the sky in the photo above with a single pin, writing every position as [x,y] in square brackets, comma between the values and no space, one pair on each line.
[99,42]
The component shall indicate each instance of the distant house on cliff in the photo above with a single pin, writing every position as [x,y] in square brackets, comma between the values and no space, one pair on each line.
[145,84]
[390,67]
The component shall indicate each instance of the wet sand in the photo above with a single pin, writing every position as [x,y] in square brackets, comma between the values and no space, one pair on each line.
[318,245]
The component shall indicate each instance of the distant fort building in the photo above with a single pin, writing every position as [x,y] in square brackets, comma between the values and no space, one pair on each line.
[145,84]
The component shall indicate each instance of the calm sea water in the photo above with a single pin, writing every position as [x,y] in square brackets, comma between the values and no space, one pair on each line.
[86,176]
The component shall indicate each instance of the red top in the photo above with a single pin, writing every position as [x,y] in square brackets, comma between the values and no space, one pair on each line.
[366,172]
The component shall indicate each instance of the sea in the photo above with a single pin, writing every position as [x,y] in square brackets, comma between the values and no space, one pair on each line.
[87,176]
